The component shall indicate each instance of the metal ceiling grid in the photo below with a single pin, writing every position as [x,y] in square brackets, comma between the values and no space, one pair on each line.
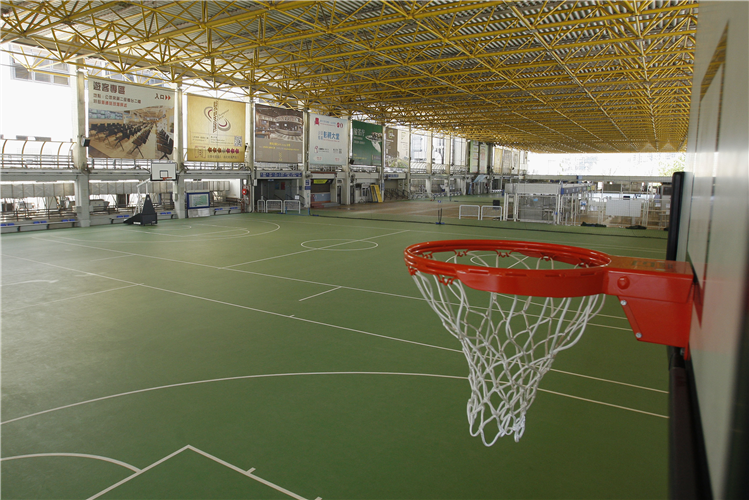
[546,76]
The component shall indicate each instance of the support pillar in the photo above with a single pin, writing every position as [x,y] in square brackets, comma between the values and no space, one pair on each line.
[178,187]
[249,199]
[79,152]
[347,188]
[178,193]
[349,195]
[305,195]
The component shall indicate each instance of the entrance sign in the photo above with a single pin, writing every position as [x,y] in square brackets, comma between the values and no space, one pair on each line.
[328,137]
[278,134]
[215,129]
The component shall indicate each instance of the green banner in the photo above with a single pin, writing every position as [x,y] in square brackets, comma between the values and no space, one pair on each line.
[366,146]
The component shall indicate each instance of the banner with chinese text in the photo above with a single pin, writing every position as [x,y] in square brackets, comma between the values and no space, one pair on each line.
[366,145]
[215,129]
[130,121]
[328,137]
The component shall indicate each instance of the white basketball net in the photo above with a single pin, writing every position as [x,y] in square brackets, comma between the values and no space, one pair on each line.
[510,342]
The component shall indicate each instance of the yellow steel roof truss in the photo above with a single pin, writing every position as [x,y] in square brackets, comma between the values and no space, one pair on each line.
[561,76]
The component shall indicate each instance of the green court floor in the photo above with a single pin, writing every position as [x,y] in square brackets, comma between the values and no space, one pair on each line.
[275,356]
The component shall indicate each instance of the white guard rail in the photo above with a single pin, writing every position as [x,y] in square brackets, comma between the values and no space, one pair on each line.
[261,206]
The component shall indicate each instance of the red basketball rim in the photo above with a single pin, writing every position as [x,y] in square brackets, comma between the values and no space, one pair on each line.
[588,278]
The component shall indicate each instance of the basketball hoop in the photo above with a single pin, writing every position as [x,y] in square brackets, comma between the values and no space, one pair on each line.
[510,341]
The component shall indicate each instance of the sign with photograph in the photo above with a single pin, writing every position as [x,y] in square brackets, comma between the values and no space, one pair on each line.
[397,147]
[366,145]
[215,129]
[328,137]
[278,134]
[130,121]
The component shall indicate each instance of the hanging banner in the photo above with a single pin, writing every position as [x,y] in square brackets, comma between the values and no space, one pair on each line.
[507,161]
[483,158]
[130,121]
[215,129]
[459,151]
[497,163]
[391,147]
[404,148]
[278,134]
[473,155]
[397,148]
[366,145]
[420,151]
[328,137]
[438,150]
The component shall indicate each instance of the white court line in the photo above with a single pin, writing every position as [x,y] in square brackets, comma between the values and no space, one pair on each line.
[210,457]
[609,381]
[248,474]
[41,304]
[196,235]
[271,313]
[119,483]
[314,249]
[273,375]
[248,233]
[127,254]
[321,293]
[115,257]
[326,324]
[29,281]
[224,379]
[76,455]
[604,404]
[229,268]
[472,235]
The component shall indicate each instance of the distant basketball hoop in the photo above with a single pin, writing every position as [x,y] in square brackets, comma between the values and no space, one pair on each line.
[163,172]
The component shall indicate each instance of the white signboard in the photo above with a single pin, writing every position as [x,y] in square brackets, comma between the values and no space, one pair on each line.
[624,208]
[483,157]
[459,151]
[473,155]
[404,145]
[420,150]
[328,137]
[130,121]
